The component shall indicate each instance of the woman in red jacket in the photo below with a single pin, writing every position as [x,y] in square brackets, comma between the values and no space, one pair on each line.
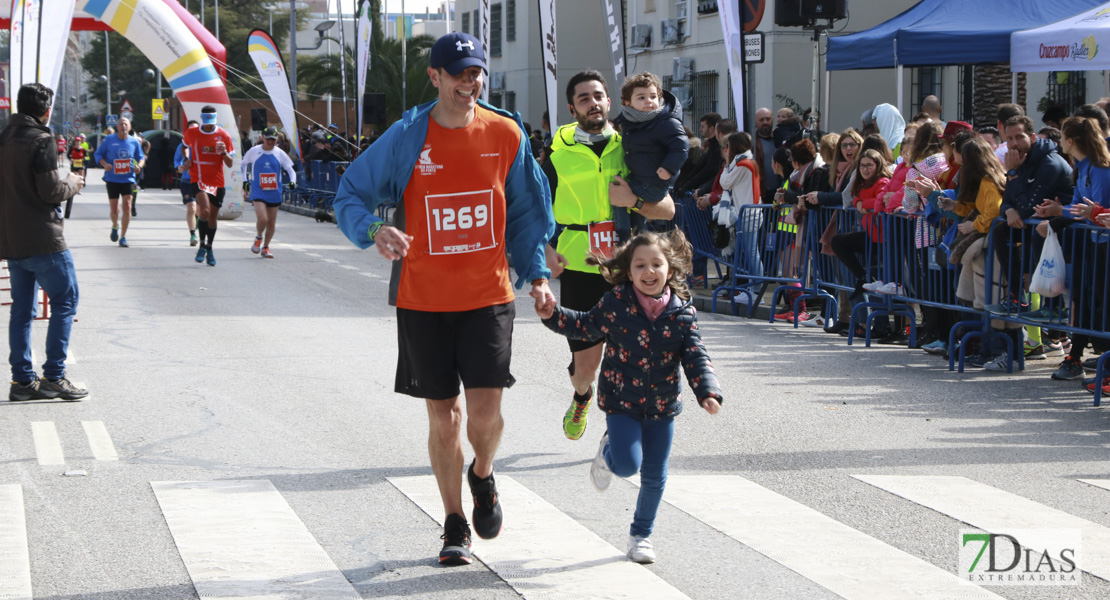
[872,177]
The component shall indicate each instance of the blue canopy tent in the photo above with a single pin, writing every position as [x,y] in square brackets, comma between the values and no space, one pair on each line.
[946,32]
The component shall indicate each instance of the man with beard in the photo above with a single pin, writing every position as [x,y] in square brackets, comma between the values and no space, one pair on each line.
[764,151]
[584,166]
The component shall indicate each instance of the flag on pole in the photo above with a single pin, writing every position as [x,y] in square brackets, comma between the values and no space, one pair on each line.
[483,35]
[550,59]
[362,58]
[734,48]
[271,67]
[614,29]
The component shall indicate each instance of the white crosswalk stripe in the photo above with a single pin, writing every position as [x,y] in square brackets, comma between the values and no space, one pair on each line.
[99,440]
[15,560]
[1102,483]
[570,558]
[812,544]
[994,510]
[240,539]
[48,448]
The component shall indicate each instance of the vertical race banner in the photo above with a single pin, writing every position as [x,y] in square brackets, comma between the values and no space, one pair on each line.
[483,36]
[614,27]
[24,43]
[734,48]
[362,56]
[550,60]
[53,40]
[37,53]
[271,68]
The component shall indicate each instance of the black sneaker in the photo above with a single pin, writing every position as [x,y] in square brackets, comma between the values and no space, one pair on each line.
[456,542]
[1091,364]
[487,510]
[26,391]
[62,388]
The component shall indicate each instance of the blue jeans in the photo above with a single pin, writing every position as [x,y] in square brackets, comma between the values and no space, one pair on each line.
[55,274]
[643,446]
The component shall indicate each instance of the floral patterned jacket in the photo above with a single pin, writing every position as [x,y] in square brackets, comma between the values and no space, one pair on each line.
[639,371]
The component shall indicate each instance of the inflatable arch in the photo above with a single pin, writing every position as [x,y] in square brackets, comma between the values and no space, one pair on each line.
[179,46]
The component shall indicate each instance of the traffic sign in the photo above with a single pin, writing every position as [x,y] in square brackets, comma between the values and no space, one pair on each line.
[77,122]
[158,108]
[127,114]
[111,120]
[126,107]
[67,125]
[753,47]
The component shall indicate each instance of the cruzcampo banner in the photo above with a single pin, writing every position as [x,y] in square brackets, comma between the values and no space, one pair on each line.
[614,31]
[550,61]
[734,49]
[362,58]
[271,67]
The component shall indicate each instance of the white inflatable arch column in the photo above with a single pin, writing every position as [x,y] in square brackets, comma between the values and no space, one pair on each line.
[160,34]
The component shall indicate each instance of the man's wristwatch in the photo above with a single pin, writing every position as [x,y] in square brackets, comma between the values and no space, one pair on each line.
[639,204]
[1011,173]
[374,229]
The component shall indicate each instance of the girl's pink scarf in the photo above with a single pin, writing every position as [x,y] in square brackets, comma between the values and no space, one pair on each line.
[653,307]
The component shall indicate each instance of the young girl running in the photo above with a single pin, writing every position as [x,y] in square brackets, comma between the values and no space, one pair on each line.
[650,329]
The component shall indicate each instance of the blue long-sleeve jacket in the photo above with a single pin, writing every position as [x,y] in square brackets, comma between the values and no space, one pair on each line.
[178,160]
[382,172]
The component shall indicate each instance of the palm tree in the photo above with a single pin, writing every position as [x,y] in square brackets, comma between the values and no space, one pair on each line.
[322,75]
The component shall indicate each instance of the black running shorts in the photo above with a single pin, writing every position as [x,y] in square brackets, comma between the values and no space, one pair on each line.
[216,200]
[115,190]
[187,193]
[581,291]
[438,349]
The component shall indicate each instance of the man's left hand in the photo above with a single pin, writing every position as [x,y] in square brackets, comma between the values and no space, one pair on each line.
[620,194]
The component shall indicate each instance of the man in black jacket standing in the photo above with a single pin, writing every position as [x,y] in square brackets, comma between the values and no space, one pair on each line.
[711,159]
[31,199]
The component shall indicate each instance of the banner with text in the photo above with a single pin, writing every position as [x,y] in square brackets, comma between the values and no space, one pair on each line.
[734,49]
[271,67]
[550,60]
[614,29]
[362,58]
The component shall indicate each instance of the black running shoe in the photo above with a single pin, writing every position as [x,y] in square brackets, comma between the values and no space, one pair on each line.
[487,510]
[62,389]
[26,391]
[456,542]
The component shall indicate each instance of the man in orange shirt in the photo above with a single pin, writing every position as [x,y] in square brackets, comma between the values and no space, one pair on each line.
[467,189]
[210,150]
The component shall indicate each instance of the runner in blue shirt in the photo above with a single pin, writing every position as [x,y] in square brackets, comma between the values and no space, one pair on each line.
[187,197]
[265,164]
[115,154]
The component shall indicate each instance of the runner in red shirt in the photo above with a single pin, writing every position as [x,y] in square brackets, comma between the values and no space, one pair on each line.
[210,150]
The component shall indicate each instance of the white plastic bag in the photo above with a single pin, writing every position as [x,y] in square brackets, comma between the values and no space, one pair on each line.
[1051,278]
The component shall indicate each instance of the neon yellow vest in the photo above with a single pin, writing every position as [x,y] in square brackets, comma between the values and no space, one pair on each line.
[582,193]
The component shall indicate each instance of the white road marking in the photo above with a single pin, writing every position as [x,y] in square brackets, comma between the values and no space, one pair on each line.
[371,275]
[330,260]
[99,440]
[994,510]
[1102,483]
[352,268]
[829,553]
[48,447]
[313,255]
[240,539]
[15,558]
[570,562]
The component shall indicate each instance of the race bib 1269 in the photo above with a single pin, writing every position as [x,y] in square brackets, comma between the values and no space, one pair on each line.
[461,222]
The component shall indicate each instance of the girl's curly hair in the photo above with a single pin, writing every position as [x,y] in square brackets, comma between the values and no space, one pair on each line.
[672,244]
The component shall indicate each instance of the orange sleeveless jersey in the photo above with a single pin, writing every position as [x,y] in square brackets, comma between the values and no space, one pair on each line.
[205,161]
[455,211]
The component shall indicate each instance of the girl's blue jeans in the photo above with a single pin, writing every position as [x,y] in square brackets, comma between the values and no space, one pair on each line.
[643,446]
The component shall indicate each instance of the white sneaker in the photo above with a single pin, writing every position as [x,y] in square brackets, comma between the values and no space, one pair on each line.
[814,321]
[600,474]
[873,287]
[745,297]
[999,364]
[641,550]
[890,288]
